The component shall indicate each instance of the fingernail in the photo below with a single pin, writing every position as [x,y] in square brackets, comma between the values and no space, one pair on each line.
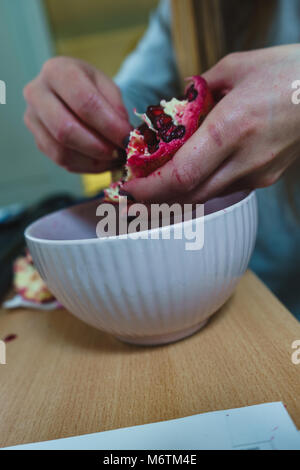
[125,141]
[122,192]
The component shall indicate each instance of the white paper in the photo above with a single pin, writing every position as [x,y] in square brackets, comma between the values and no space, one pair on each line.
[17,302]
[261,427]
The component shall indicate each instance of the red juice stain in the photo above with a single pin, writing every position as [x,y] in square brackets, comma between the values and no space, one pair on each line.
[9,338]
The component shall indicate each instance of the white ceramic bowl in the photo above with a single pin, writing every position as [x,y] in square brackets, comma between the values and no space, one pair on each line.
[144,291]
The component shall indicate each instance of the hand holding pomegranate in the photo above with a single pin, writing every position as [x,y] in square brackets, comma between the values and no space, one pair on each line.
[76,115]
[247,141]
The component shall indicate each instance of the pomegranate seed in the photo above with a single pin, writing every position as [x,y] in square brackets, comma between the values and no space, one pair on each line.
[9,338]
[191,93]
[151,140]
[166,133]
[179,132]
[163,121]
[142,128]
[174,132]
[153,111]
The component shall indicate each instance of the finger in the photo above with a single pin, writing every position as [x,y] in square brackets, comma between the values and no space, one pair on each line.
[217,78]
[106,86]
[65,127]
[111,92]
[90,105]
[223,76]
[240,172]
[67,158]
[224,177]
[194,162]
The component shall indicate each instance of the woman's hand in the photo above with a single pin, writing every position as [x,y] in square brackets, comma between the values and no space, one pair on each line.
[76,115]
[247,141]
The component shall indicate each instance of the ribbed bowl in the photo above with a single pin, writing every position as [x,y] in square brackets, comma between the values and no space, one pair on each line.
[144,291]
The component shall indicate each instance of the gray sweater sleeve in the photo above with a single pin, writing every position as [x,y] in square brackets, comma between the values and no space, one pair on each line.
[149,73]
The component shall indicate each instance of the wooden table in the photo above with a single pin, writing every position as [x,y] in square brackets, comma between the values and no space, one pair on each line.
[63,378]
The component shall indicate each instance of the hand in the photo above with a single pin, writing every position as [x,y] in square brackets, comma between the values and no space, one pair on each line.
[76,115]
[247,141]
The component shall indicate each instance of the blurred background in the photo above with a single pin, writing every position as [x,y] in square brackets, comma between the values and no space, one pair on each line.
[101,32]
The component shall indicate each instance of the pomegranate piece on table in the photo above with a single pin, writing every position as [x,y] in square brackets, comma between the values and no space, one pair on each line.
[165,128]
[28,283]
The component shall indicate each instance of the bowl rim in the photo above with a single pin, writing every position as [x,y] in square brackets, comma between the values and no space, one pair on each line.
[208,217]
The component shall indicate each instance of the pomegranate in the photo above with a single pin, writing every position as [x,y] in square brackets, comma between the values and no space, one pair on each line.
[165,129]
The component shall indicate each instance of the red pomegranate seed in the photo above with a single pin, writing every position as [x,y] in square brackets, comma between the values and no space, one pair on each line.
[191,93]
[179,132]
[151,140]
[166,133]
[153,111]
[142,128]
[9,338]
[174,132]
[163,121]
